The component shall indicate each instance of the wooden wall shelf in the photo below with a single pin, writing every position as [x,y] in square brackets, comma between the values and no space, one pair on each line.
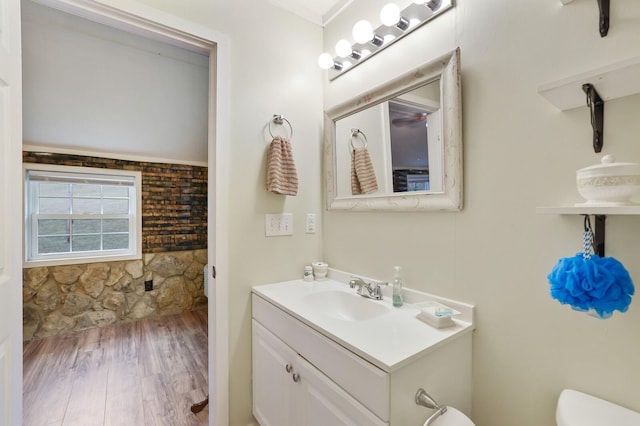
[600,214]
[612,81]
[591,210]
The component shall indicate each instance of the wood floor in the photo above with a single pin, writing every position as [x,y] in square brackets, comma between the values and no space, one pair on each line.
[143,373]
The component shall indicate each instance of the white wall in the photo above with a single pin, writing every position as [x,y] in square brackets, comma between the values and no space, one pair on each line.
[94,88]
[274,70]
[519,152]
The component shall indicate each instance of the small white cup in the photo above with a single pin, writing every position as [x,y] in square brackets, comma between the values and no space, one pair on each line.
[320,270]
[308,273]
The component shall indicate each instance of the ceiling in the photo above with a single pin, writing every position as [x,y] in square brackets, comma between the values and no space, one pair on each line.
[316,11]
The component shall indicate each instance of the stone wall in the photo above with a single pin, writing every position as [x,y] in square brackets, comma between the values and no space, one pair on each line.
[63,299]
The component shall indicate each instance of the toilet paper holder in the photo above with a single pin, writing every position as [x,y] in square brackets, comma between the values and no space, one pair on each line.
[425,400]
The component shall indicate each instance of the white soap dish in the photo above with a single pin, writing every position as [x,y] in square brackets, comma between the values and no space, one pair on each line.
[436,314]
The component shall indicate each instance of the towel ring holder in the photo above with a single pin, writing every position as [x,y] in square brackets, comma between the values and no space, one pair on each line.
[354,134]
[279,120]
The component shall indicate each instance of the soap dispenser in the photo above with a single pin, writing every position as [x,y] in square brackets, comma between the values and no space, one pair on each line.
[397,287]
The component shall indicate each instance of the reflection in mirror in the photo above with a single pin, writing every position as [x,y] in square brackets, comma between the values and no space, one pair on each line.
[410,130]
[403,141]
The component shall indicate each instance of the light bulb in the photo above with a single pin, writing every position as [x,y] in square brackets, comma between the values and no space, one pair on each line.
[325,61]
[343,48]
[362,32]
[390,14]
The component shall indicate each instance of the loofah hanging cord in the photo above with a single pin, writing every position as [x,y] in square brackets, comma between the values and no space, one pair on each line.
[587,238]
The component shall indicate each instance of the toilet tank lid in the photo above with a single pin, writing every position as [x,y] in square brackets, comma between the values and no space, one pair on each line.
[579,409]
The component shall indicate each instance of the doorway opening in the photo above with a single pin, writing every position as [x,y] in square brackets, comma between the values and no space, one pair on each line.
[151,23]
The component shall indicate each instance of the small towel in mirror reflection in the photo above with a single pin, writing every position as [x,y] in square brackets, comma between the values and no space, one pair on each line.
[363,178]
[282,177]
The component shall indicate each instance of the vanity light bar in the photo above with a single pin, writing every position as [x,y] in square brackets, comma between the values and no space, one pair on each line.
[396,24]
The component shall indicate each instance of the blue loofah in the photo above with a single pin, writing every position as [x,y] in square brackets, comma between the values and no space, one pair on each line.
[596,283]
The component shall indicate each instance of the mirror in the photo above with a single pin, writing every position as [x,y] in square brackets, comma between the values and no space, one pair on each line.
[398,146]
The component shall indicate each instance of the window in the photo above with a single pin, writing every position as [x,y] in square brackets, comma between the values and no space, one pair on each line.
[79,214]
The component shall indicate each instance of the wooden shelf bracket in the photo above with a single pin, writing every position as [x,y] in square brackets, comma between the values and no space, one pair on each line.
[599,233]
[603,6]
[596,112]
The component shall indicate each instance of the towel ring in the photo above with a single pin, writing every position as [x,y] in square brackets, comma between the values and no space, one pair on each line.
[354,134]
[280,120]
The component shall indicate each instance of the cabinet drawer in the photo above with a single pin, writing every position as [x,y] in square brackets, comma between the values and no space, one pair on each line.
[365,382]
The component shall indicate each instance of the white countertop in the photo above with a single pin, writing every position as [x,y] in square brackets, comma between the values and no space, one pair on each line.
[388,341]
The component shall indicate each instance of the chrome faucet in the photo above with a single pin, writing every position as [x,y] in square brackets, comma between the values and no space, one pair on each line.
[371,290]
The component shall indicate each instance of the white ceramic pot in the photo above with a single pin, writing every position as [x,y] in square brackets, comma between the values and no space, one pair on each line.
[609,183]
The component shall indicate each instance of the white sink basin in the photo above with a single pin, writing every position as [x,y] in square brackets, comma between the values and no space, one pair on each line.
[387,337]
[344,306]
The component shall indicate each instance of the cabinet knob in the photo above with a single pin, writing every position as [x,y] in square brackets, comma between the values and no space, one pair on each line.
[296,377]
[289,368]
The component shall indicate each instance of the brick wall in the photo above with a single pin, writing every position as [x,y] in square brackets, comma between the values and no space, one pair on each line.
[174,199]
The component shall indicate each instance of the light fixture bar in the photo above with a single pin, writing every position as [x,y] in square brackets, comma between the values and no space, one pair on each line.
[369,41]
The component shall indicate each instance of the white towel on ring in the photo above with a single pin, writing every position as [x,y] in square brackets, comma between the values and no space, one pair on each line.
[282,177]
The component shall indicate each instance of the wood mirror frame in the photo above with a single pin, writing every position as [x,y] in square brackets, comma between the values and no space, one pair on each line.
[445,69]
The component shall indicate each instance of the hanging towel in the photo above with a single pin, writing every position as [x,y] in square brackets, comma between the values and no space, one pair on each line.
[282,177]
[363,178]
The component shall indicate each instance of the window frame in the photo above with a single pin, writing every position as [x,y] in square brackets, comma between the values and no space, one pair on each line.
[30,237]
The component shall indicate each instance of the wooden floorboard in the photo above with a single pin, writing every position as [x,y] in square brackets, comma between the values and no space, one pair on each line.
[147,372]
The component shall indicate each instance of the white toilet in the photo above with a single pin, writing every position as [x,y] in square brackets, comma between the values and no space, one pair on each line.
[579,409]
[574,409]
[444,416]
[452,417]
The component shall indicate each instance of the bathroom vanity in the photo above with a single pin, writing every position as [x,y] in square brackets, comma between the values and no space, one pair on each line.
[322,355]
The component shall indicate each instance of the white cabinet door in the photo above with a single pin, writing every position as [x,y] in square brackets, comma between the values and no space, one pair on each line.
[320,402]
[10,214]
[289,391]
[272,383]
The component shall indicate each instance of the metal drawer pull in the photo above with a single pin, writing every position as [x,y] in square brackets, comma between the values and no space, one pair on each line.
[296,377]
[289,368]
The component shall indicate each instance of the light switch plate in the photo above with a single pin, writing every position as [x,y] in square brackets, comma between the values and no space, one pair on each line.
[310,223]
[278,224]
